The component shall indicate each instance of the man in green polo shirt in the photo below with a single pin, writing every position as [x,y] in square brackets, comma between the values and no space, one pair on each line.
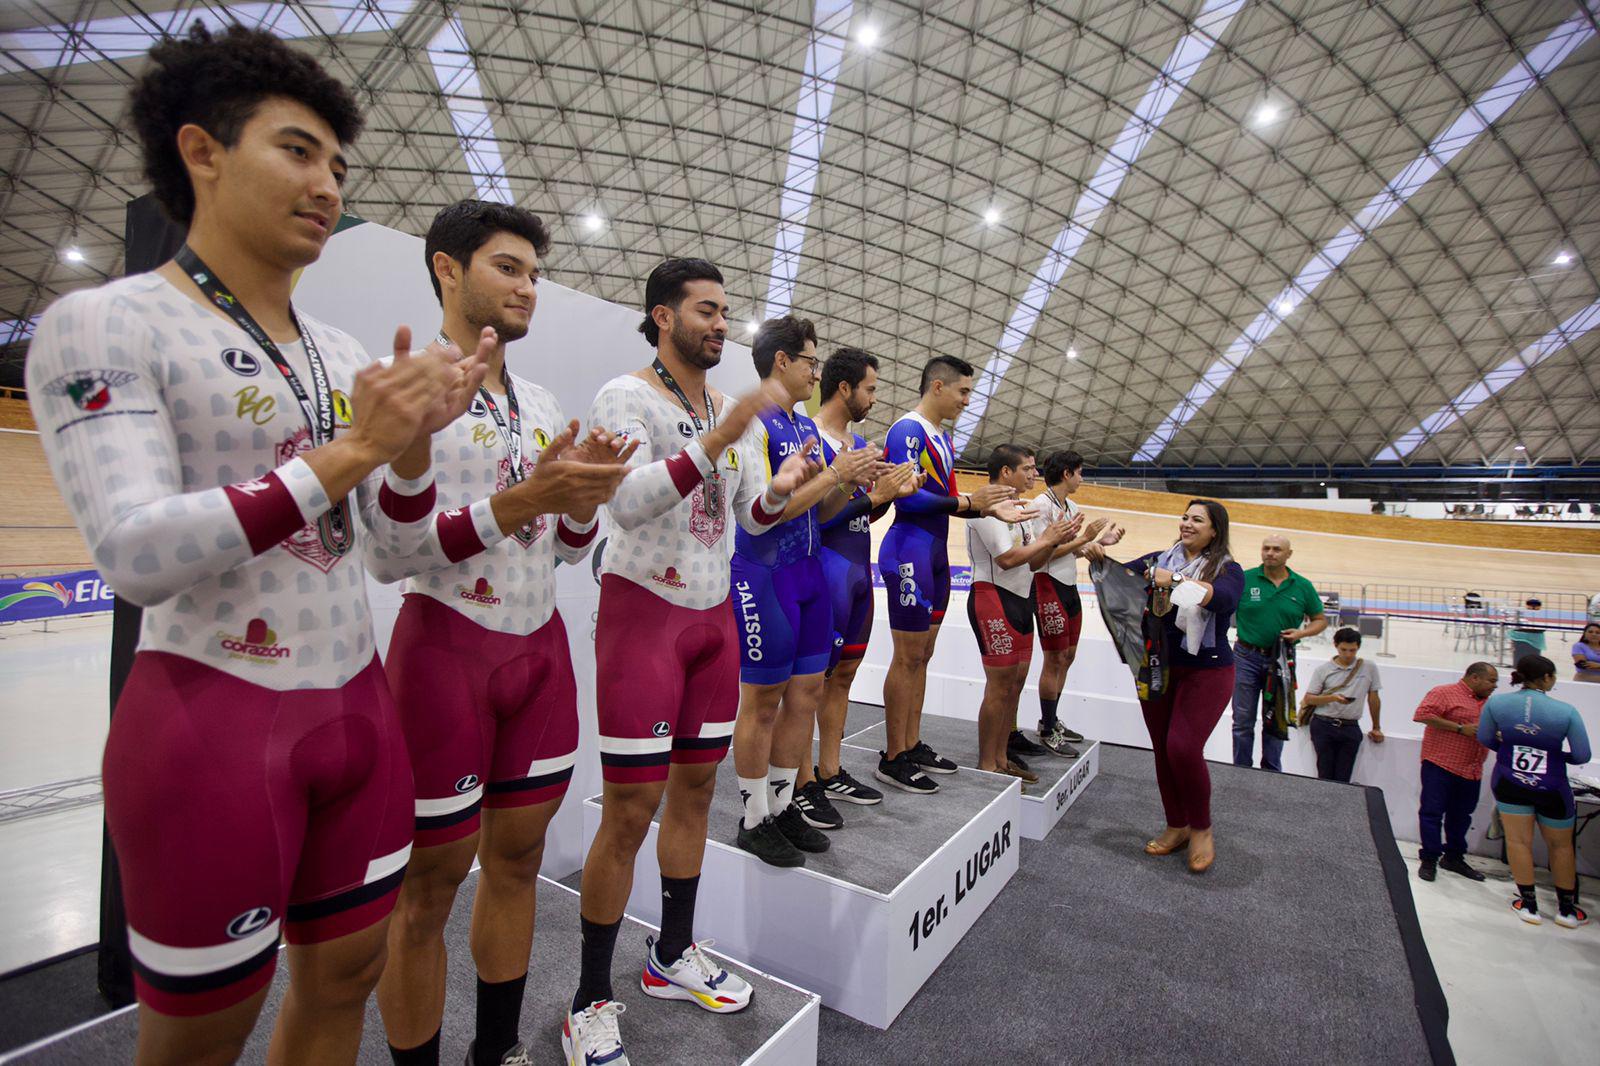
[1277,604]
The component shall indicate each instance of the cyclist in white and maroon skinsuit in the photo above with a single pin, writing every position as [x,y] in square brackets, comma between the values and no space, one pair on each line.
[479,662]
[216,451]
[666,651]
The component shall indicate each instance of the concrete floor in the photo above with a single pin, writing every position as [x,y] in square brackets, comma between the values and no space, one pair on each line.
[1517,993]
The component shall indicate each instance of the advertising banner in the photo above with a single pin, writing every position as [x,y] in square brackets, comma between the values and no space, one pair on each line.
[24,599]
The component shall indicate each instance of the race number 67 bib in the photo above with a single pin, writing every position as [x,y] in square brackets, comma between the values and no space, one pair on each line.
[1529,760]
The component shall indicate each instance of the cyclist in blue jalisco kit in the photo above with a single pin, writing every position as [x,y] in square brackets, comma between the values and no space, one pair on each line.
[1535,738]
[849,389]
[781,604]
[914,562]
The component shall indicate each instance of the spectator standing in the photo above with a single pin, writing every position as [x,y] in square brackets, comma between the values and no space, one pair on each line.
[1278,604]
[1586,654]
[1527,638]
[1335,694]
[1452,769]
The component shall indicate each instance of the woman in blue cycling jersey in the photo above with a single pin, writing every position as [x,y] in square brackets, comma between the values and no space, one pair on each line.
[1535,739]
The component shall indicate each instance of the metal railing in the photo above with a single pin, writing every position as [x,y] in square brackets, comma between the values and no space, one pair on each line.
[52,798]
[1479,620]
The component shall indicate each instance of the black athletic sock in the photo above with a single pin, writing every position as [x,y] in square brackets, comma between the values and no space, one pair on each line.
[1530,902]
[499,1011]
[594,973]
[1047,712]
[677,917]
[424,1054]
[1566,900]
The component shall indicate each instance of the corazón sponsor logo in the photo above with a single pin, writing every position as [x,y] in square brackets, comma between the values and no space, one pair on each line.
[259,644]
[481,592]
[669,579]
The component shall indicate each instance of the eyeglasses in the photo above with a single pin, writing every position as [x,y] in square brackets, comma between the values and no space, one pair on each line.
[813,360]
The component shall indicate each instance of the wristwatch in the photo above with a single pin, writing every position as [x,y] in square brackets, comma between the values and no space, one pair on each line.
[1177,579]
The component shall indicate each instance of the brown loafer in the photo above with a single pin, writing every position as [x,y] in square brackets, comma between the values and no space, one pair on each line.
[1155,847]
[1027,776]
[1198,863]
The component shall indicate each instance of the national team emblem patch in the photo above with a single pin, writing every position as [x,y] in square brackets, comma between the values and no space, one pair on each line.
[707,519]
[502,481]
[89,389]
[327,540]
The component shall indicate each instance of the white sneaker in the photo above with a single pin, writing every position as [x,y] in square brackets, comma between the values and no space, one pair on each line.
[1573,918]
[591,1037]
[1522,911]
[695,977]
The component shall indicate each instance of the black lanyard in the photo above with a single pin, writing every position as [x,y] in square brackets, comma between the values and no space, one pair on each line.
[677,390]
[318,411]
[510,431]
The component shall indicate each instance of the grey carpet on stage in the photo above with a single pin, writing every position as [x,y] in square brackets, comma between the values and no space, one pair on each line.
[656,1031]
[1286,952]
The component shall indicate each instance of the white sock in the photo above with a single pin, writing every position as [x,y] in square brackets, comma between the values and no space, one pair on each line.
[753,790]
[780,787]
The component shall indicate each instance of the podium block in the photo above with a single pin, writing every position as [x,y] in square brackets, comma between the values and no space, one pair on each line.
[1061,781]
[779,1027]
[867,922]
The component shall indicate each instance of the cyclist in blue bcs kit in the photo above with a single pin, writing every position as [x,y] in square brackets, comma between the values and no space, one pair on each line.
[914,562]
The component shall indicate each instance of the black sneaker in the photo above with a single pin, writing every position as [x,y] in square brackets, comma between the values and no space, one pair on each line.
[1056,741]
[929,760]
[1428,869]
[842,788]
[792,824]
[812,803]
[1019,744]
[767,843]
[1061,727]
[900,772]
[1458,865]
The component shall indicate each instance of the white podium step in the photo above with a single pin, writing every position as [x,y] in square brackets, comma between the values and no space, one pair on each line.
[1061,781]
[868,921]
[779,1027]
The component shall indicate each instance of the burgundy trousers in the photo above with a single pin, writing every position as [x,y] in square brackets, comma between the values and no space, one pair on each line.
[1179,721]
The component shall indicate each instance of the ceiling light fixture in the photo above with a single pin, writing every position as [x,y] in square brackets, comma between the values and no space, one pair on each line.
[1521,447]
[72,254]
[991,216]
[1285,306]
[750,328]
[1563,258]
[1072,353]
[593,223]
[867,36]
[1266,115]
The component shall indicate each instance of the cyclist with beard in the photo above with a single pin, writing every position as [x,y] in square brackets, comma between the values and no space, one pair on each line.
[849,389]
[666,650]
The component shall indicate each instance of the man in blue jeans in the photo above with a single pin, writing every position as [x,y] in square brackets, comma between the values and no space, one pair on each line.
[1452,770]
[1275,603]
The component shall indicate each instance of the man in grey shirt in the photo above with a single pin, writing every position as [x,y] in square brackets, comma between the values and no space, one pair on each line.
[1335,694]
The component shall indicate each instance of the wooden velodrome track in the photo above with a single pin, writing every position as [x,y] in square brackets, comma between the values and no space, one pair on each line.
[37,534]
